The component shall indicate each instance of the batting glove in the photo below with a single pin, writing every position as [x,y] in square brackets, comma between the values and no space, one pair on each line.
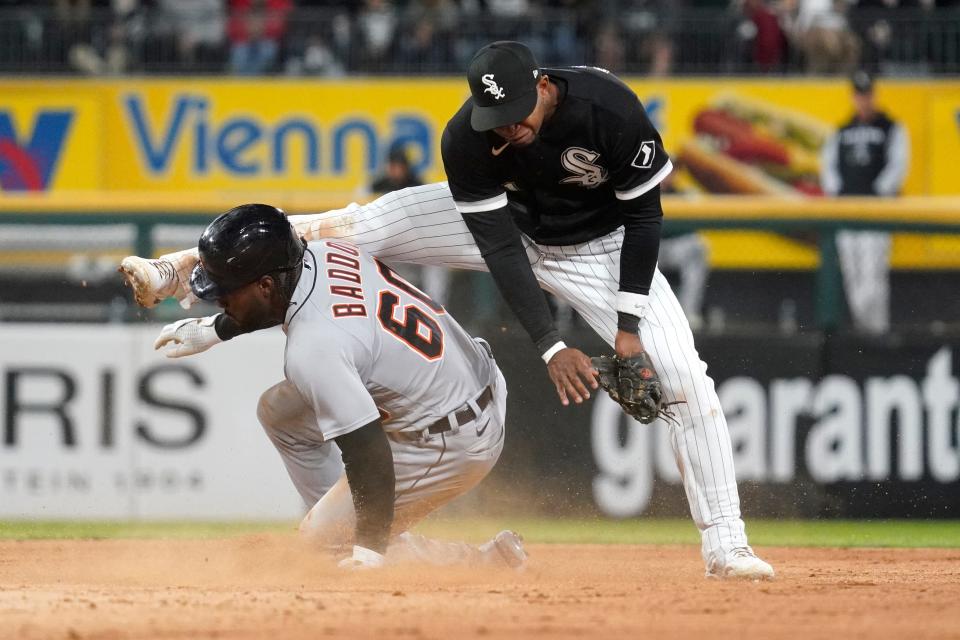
[187,337]
[362,558]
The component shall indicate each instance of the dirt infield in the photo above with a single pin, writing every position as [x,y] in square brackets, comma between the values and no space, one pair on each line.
[267,587]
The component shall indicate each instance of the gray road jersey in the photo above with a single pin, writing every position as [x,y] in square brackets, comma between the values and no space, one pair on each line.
[363,342]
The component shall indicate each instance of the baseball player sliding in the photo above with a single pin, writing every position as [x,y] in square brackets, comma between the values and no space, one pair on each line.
[553,183]
[414,404]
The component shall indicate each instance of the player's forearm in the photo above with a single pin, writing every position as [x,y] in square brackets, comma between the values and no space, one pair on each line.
[499,242]
[368,462]
[638,257]
[519,287]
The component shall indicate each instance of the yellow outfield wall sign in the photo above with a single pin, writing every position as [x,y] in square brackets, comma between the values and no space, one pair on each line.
[221,135]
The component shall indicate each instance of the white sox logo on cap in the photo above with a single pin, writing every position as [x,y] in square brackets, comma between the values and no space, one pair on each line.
[503,85]
[491,86]
[581,163]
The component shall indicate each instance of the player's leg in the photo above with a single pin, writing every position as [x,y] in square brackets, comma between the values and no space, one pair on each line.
[701,440]
[879,274]
[313,465]
[429,474]
[419,225]
[432,472]
[155,280]
[587,277]
[865,265]
[441,469]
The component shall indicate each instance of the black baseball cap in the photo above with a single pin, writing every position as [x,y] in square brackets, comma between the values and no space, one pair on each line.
[862,82]
[503,80]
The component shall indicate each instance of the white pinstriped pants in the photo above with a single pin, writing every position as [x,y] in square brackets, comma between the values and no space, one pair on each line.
[421,225]
[865,263]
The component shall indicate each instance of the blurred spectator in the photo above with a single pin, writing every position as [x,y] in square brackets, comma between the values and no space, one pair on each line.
[522,20]
[376,29]
[762,40]
[330,37]
[256,28]
[867,156]
[195,28]
[874,21]
[21,34]
[315,58]
[609,50]
[889,28]
[429,28]
[659,52]
[71,26]
[647,27]
[567,29]
[821,32]
[319,40]
[115,40]
[398,174]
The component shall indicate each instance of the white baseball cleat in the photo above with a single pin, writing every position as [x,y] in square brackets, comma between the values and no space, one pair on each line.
[506,547]
[152,281]
[741,563]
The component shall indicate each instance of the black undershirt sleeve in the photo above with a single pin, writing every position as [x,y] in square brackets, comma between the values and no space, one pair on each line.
[499,241]
[369,465]
[226,327]
[641,245]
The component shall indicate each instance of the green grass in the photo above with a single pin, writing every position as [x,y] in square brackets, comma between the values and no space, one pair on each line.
[58,530]
[802,533]
[791,533]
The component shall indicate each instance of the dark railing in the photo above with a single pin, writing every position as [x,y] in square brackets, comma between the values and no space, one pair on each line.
[331,42]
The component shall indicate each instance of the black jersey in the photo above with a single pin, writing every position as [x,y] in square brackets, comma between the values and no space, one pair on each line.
[596,149]
[864,151]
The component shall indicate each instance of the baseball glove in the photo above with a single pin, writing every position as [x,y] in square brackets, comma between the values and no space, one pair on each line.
[633,383]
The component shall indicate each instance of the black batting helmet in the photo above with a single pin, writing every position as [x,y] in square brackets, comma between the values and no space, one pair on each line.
[242,245]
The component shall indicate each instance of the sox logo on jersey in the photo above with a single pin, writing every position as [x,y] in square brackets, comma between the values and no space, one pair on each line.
[581,163]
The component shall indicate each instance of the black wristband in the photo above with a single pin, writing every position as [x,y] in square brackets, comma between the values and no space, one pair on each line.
[226,327]
[547,341]
[628,322]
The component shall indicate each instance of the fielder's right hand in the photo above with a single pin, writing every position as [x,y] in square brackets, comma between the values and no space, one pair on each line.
[572,372]
[187,337]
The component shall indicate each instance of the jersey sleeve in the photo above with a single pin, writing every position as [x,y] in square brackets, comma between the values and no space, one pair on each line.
[638,159]
[328,375]
[890,180]
[830,180]
[473,181]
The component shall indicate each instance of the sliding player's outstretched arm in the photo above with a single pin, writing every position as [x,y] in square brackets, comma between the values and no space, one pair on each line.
[190,336]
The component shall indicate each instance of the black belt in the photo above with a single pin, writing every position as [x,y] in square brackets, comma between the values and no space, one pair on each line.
[464,415]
